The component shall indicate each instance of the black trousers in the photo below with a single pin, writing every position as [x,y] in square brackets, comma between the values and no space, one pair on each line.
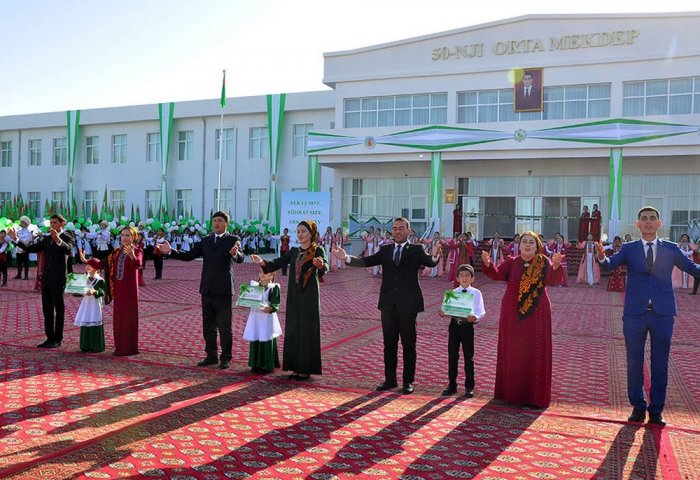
[102,254]
[3,271]
[696,283]
[147,255]
[397,325]
[216,316]
[158,265]
[461,334]
[23,262]
[54,310]
[285,266]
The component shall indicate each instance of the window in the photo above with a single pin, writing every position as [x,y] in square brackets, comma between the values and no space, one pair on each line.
[229,145]
[259,147]
[119,148]
[257,203]
[569,101]
[117,200]
[185,145]
[59,200]
[384,198]
[35,152]
[153,147]
[226,204]
[60,151]
[152,202]
[301,133]
[34,202]
[661,97]
[5,197]
[90,200]
[6,154]
[184,202]
[396,110]
[92,150]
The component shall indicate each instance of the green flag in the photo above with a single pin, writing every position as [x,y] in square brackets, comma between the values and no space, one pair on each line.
[223,91]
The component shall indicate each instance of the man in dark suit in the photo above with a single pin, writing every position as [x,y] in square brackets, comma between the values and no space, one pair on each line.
[400,299]
[57,248]
[650,307]
[528,96]
[219,251]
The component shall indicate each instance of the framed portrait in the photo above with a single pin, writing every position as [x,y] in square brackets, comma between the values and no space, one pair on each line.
[528,87]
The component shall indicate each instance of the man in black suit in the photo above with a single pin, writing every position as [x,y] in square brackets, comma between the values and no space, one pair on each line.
[528,95]
[400,299]
[219,251]
[57,249]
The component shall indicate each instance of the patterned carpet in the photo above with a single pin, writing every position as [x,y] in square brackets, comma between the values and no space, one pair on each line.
[66,414]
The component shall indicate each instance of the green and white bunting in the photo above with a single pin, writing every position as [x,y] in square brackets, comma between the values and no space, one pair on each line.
[73,127]
[615,132]
[275,126]
[314,171]
[165,122]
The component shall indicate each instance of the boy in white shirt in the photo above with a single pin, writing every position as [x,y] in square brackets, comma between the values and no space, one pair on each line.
[461,331]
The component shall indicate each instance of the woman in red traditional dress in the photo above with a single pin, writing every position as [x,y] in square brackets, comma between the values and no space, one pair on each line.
[284,246]
[496,245]
[524,362]
[617,278]
[513,248]
[558,245]
[457,220]
[584,224]
[588,269]
[459,255]
[122,274]
[595,223]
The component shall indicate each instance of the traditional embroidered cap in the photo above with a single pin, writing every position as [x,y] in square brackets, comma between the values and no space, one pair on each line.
[94,263]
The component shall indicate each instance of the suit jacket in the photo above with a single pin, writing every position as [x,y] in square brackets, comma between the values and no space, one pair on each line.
[655,285]
[217,271]
[400,286]
[55,257]
[533,102]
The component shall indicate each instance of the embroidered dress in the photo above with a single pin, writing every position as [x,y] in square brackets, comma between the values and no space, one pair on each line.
[89,318]
[682,279]
[262,330]
[616,280]
[588,269]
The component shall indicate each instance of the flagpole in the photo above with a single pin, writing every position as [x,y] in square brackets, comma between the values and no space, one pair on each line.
[221,142]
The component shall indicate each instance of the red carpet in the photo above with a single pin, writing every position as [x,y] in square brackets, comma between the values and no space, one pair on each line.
[64,414]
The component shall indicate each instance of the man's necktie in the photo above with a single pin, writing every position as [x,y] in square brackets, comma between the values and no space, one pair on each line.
[397,256]
[464,290]
[216,239]
[650,255]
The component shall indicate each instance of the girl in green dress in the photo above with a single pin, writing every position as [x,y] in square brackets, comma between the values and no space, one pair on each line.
[89,316]
[263,327]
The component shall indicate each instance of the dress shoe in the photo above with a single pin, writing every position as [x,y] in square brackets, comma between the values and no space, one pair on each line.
[450,390]
[638,415]
[469,393]
[384,386]
[26,277]
[656,419]
[208,361]
[407,388]
[53,345]
[44,344]
[224,364]
[17,277]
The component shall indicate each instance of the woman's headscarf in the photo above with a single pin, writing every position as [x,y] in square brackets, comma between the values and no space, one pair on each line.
[531,279]
[306,263]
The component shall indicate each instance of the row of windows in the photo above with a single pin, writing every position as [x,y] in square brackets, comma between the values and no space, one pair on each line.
[257,201]
[652,97]
[259,147]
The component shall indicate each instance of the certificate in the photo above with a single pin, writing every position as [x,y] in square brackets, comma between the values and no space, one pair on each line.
[457,304]
[77,284]
[250,296]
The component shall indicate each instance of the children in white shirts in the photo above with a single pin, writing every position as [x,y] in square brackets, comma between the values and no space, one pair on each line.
[263,327]
[461,331]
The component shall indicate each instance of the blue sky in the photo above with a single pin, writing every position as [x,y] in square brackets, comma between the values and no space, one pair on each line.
[61,54]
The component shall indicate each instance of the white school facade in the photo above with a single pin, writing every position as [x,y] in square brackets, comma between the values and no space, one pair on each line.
[410,128]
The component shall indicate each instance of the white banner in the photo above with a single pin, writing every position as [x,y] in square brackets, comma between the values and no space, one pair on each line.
[298,206]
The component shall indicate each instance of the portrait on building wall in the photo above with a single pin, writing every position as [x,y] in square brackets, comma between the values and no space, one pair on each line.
[528,86]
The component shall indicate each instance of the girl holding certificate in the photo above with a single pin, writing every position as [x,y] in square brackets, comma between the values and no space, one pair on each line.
[89,316]
[263,327]
[524,362]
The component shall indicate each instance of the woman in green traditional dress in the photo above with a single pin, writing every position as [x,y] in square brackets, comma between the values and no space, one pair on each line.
[302,332]
[89,316]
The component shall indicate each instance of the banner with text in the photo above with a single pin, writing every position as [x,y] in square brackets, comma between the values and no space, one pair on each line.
[298,206]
